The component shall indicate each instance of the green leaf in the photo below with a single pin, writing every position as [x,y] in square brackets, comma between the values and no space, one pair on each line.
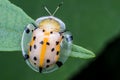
[12,23]
[80,52]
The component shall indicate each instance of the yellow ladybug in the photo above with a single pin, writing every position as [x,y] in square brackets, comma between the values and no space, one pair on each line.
[46,44]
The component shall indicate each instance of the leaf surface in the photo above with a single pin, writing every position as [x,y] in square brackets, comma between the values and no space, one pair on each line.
[12,23]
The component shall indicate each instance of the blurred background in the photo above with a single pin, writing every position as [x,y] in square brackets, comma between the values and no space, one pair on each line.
[95,25]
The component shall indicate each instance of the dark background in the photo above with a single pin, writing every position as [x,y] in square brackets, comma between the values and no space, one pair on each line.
[106,66]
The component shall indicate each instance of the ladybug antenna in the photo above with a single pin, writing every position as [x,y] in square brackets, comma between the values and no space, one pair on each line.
[57,8]
[47,10]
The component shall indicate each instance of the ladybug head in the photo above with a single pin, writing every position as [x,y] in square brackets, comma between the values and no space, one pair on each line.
[51,23]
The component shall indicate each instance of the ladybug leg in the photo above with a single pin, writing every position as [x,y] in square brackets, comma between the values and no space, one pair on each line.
[68,36]
[26,56]
[34,25]
[30,28]
[40,69]
[59,63]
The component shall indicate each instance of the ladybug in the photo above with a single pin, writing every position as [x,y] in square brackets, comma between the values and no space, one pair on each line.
[46,44]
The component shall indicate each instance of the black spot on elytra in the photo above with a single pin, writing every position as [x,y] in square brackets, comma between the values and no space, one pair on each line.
[47,66]
[34,63]
[35,46]
[34,58]
[52,49]
[48,60]
[48,43]
[30,47]
[59,64]
[27,30]
[57,42]
[43,30]
[51,32]
[34,37]
[41,42]
[57,53]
